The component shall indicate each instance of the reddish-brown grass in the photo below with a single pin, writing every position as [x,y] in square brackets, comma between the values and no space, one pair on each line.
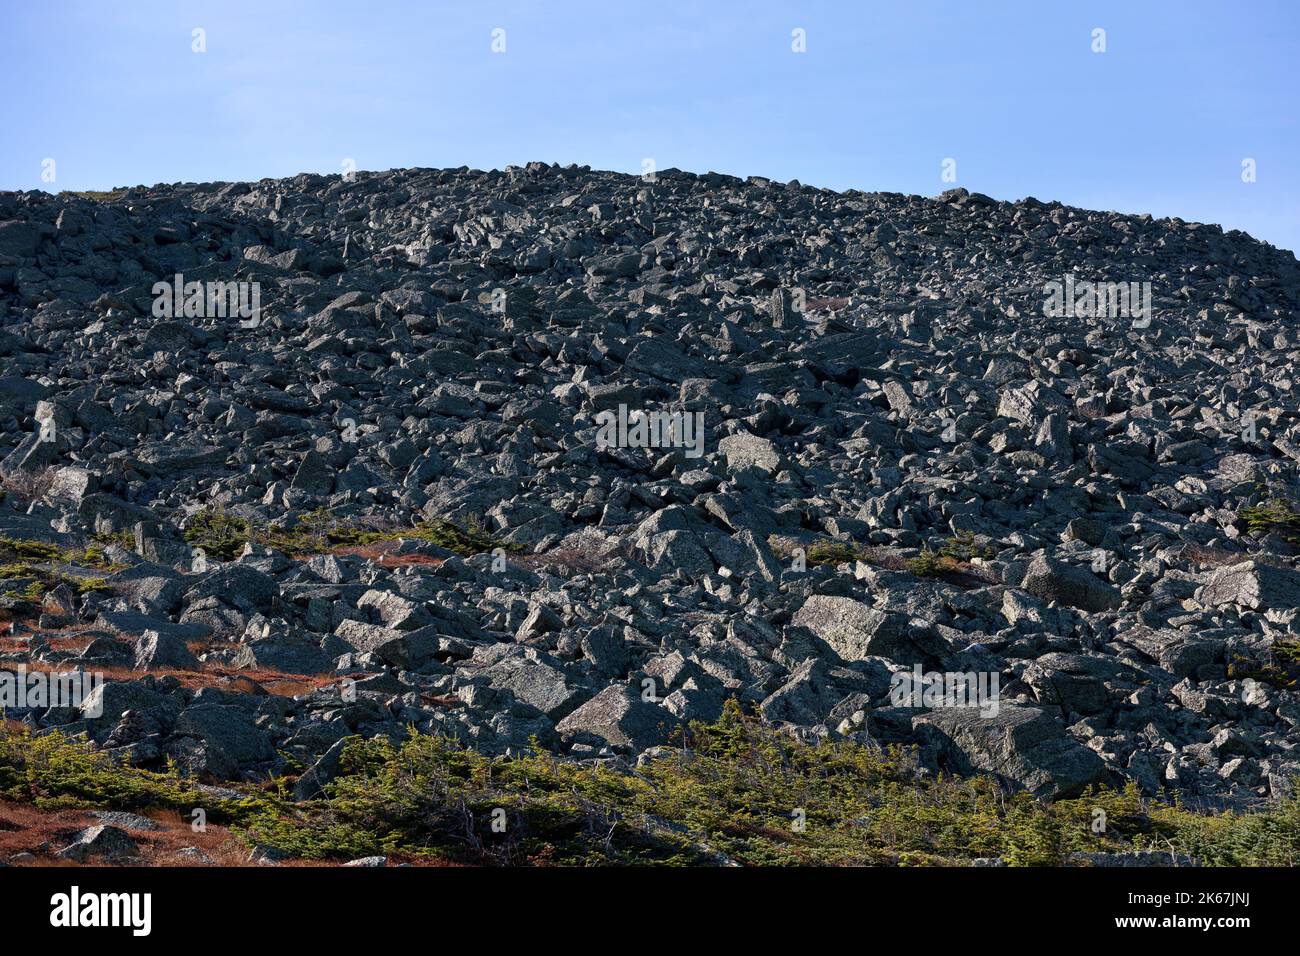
[381,553]
[250,681]
[27,829]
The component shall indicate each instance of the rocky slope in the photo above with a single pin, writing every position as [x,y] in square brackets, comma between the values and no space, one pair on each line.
[908,466]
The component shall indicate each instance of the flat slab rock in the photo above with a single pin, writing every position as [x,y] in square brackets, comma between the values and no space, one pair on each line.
[1252,585]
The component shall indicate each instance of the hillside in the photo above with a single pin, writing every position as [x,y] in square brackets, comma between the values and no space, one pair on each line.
[360,482]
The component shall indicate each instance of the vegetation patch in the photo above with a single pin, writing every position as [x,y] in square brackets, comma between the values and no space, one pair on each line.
[734,791]
[963,548]
[952,560]
[1287,653]
[928,564]
[1277,515]
[52,772]
[97,195]
[123,539]
[1244,668]
[35,565]
[835,552]
[222,535]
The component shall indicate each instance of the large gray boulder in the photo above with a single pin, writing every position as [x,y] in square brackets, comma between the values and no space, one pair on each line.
[287,653]
[537,682]
[1021,746]
[228,727]
[1252,585]
[163,649]
[809,694]
[619,717]
[665,361]
[395,610]
[1076,683]
[105,705]
[237,585]
[1066,584]
[744,450]
[407,649]
[100,843]
[856,631]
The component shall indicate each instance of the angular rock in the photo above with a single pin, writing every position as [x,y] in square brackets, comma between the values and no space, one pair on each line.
[157,649]
[1065,584]
[1021,746]
[1252,585]
[619,717]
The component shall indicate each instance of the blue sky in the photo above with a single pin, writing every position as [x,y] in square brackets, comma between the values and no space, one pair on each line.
[1160,122]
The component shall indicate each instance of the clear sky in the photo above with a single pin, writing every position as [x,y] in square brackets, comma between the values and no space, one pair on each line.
[886,91]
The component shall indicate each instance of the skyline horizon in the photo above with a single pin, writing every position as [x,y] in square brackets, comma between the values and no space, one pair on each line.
[1171,109]
[668,169]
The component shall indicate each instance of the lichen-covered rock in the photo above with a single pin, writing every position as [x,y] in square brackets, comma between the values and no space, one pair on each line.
[1021,746]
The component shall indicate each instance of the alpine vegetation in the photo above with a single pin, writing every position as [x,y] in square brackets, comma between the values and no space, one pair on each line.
[554,469]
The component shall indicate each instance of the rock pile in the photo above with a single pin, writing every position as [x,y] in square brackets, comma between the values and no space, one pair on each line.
[908,459]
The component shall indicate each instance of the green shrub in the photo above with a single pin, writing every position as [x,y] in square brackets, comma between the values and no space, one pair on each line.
[1244,668]
[1287,653]
[51,771]
[96,195]
[37,563]
[737,789]
[1276,515]
[734,790]
[962,548]
[220,535]
[931,565]
[833,552]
